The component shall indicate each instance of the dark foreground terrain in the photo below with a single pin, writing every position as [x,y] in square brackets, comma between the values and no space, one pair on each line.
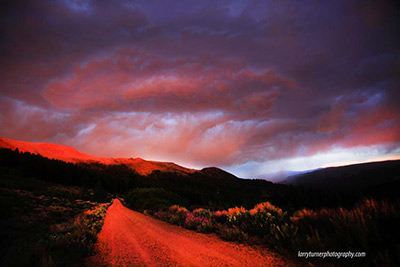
[51,215]
[45,224]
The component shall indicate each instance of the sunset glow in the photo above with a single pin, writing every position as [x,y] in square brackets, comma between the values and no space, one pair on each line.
[253,87]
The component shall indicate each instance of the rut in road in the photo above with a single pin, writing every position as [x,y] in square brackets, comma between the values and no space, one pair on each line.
[129,238]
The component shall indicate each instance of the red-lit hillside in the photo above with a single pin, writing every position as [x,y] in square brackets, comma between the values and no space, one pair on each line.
[69,154]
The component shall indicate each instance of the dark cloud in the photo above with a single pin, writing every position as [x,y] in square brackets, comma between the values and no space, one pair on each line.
[202,82]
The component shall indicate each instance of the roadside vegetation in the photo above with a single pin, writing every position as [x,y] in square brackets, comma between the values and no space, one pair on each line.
[369,226]
[46,224]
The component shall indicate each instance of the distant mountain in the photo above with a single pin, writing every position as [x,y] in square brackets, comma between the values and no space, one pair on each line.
[281,176]
[357,176]
[69,154]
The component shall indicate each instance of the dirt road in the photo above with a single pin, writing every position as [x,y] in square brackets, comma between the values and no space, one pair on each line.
[129,238]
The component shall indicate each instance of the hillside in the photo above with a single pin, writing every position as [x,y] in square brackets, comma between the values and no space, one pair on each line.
[209,187]
[351,177]
[71,155]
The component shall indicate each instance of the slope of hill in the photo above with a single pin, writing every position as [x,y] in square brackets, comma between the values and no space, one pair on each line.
[358,176]
[209,187]
[217,173]
[51,151]
[69,154]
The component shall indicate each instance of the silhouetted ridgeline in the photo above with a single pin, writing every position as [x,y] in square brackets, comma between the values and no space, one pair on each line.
[210,187]
[365,176]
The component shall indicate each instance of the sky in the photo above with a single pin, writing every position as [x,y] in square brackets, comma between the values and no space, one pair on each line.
[253,87]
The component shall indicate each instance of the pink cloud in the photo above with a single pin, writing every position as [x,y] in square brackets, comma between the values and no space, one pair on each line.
[136,81]
[193,139]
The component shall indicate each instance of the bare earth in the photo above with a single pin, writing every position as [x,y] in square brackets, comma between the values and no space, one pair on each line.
[129,238]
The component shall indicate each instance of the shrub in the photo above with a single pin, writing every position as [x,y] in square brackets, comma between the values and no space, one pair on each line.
[152,199]
[369,226]
[67,243]
[265,207]
[220,216]
[197,222]
[231,233]
[283,236]
[177,214]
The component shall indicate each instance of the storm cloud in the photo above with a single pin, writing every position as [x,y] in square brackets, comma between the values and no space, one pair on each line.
[225,83]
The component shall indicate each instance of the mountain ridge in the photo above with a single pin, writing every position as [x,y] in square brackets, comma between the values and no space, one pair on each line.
[72,155]
[354,176]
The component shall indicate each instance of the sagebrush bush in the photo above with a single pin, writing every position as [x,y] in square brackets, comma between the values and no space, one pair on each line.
[369,226]
[231,233]
[75,237]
